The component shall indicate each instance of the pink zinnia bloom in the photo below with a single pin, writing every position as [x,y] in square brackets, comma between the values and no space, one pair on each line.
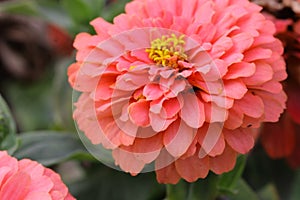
[183,84]
[29,180]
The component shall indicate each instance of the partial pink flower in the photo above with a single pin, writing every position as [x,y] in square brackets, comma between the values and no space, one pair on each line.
[282,139]
[28,180]
[182,85]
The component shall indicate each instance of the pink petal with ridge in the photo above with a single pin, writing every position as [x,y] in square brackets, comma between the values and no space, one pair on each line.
[192,111]
[249,102]
[223,163]
[241,140]
[16,187]
[192,168]
[127,161]
[139,113]
[178,137]
[152,91]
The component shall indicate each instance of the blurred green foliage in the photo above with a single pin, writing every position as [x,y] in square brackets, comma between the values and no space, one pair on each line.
[8,140]
[73,15]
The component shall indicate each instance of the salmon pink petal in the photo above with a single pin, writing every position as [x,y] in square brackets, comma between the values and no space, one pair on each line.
[192,149]
[165,168]
[80,40]
[270,86]
[158,123]
[42,184]
[33,169]
[92,56]
[246,105]
[59,186]
[263,73]
[116,136]
[274,104]
[101,26]
[3,173]
[223,163]
[214,113]
[83,82]
[178,137]
[16,187]
[242,69]
[8,161]
[192,168]
[170,108]
[235,89]
[212,146]
[139,113]
[167,175]
[152,91]
[257,54]
[177,87]
[41,196]
[242,42]
[147,149]
[192,111]
[241,140]
[128,128]
[221,46]
[72,73]
[131,82]
[104,89]
[235,118]
[127,161]
[221,101]
[211,88]
[205,13]
[211,140]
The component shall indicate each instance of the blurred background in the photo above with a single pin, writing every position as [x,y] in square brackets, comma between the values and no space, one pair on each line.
[36,122]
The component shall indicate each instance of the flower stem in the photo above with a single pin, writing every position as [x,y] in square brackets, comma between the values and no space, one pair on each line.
[177,192]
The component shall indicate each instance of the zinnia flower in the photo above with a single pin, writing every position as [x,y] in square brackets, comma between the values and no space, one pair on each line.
[28,180]
[181,84]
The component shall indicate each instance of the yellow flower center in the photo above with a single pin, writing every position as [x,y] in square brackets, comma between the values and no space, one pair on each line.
[167,50]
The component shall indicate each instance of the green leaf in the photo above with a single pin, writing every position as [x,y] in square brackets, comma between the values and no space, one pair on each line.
[201,189]
[228,181]
[32,103]
[53,12]
[49,147]
[62,97]
[96,5]
[8,139]
[243,191]
[114,9]
[178,191]
[269,192]
[79,10]
[204,188]
[105,183]
[26,7]
[295,194]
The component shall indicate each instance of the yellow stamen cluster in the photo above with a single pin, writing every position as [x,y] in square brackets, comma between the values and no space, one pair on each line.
[167,50]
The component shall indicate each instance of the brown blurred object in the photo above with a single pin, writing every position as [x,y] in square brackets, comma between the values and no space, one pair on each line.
[279,5]
[28,46]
